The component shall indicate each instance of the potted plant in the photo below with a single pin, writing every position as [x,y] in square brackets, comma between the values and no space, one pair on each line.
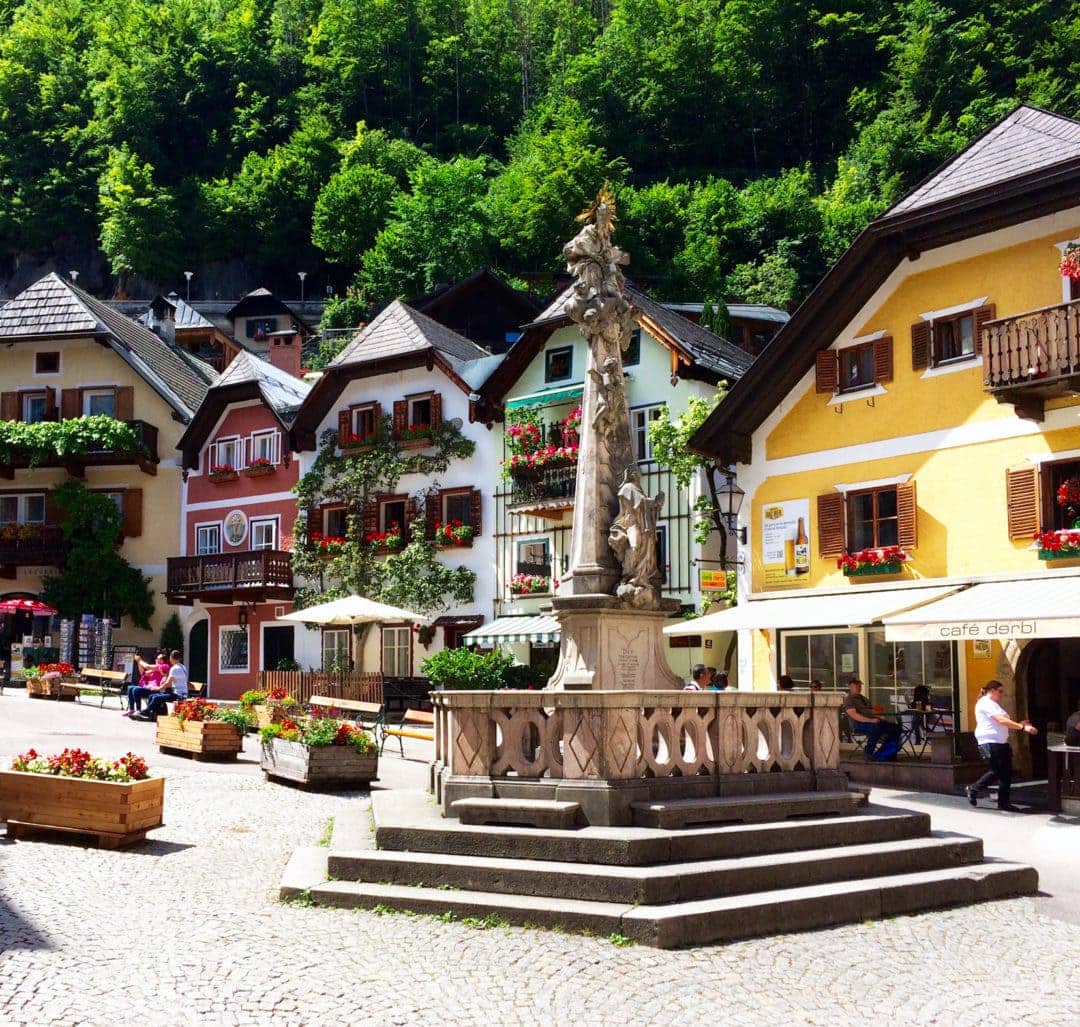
[1070,262]
[268,707]
[203,729]
[73,791]
[260,467]
[880,560]
[452,535]
[56,681]
[220,473]
[320,751]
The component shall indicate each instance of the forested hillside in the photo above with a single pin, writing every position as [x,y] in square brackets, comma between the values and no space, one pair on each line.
[409,141]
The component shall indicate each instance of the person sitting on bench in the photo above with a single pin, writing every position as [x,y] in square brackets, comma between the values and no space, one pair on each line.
[865,721]
[173,688]
[150,677]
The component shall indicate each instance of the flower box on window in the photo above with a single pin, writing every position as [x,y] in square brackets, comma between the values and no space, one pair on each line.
[529,584]
[221,473]
[1059,545]
[327,546]
[882,560]
[453,535]
[389,541]
[260,467]
[415,436]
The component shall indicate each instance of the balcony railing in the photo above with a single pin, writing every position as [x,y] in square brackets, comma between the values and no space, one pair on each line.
[44,547]
[1033,356]
[252,576]
[551,490]
[143,455]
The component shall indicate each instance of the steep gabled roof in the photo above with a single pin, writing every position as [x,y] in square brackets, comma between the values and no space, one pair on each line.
[1024,141]
[55,307]
[184,315]
[957,207]
[484,276]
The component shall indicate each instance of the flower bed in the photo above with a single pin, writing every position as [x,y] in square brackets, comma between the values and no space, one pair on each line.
[319,751]
[73,791]
[203,729]
[1059,545]
[883,560]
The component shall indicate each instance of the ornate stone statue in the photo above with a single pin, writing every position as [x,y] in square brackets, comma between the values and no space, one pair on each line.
[634,539]
[609,386]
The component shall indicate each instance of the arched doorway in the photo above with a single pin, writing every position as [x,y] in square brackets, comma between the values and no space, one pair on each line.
[1048,676]
[198,651]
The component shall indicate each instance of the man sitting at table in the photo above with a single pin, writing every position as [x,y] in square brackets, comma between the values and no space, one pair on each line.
[865,721]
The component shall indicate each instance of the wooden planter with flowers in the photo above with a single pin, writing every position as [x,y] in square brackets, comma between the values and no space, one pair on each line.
[319,753]
[222,474]
[51,684]
[118,812]
[195,728]
[875,561]
[258,468]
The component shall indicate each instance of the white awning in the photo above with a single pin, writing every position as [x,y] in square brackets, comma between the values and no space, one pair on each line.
[514,629]
[1035,608]
[846,609]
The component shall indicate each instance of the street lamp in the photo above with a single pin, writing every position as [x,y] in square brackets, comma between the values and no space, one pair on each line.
[189,275]
[74,275]
[729,500]
[301,275]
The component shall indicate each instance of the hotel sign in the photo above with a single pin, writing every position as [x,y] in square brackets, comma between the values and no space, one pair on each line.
[1001,630]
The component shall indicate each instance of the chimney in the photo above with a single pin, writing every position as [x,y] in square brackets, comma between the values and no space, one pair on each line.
[285,351]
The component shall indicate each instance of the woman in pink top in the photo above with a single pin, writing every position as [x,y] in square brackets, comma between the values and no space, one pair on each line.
[150,678]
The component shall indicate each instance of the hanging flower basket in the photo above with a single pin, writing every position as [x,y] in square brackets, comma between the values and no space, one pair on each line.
[865,562]
[1059,545]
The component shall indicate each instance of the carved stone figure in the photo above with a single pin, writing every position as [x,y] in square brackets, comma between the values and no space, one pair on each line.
[634,540]
[609,385]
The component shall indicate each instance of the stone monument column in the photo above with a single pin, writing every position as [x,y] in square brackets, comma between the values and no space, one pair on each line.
[609,607]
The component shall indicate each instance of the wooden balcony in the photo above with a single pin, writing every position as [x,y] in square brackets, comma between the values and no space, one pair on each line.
[1033,357]
[144,456]
[46,548]
[253,576]
[546,494]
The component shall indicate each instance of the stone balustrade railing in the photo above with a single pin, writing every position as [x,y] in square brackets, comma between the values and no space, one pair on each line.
[634,735]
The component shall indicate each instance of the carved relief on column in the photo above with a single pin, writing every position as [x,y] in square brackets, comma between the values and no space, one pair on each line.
[582,730]
[620,752]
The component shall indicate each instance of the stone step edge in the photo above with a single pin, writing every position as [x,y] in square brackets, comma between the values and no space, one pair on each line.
[307,868]
[763,799]
[711,920]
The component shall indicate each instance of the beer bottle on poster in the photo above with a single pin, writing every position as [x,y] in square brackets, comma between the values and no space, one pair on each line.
[802,550]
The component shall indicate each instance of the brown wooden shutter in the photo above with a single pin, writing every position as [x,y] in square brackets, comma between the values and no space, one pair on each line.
[370,516]
[401,417]
[476,507]
[920,345]
[883,363]
[433,512]
[9,407]
[436,410]
[131,522]
[344,427]
[69,404]
[377,418]
[830,524]
[125,403]
[412,512]
[53,513]
[907,516]
[51,411]
[1022,502]
[979,317]
[828,374]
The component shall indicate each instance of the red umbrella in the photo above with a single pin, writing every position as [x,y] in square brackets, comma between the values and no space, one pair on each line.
[33,606]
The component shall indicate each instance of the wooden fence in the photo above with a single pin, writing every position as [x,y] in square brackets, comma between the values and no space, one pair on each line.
[302,685]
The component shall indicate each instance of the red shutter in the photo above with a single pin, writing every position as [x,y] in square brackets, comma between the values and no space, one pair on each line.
[9,407]
[828,374]
[433,513]
[979,318]
[344,427]
[125,403]
[436,410]
[53,513]
[69,404]
[830,524]
[907,534]
[1022,502]
[401,417]
[920,345]
[883,365]
[370,518]
[476,507]
[131,524]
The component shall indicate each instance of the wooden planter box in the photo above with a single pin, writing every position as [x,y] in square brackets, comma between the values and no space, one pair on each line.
[119,814]
[338,766]
[258,472]
[267,715]
[50,688]
[424,442]
[208,739]
[220,477]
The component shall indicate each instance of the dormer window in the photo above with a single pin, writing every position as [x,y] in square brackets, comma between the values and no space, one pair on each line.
[226,453]
[856,367]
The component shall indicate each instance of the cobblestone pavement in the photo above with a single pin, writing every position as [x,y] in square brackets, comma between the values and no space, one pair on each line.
[197,906]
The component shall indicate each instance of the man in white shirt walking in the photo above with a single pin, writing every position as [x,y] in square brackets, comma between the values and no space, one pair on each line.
[992,726]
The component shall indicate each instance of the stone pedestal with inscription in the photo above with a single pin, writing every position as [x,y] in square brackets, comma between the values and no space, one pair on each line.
[606,645]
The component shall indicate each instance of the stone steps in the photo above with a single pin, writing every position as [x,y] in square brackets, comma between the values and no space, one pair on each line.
[540,813]
[681,813]
[656,885]
[710,920]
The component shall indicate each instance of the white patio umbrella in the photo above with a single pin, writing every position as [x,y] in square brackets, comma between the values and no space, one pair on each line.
[351,610]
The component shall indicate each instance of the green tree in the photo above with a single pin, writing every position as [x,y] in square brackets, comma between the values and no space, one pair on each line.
[172,635]
[351,209]
[773,280]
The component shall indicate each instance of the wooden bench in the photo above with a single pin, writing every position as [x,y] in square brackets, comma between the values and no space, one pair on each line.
[108,682]
[369,715]
[406,729]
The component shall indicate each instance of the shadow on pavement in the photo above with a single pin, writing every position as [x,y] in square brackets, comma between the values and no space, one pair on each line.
[16,932]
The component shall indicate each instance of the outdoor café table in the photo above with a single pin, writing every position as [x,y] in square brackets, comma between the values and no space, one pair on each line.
[916,727]
[1057,759]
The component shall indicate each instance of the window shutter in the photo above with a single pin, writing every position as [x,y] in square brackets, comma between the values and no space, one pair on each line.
[476,506]
[9,406]
[883,359]
[433,513]
[53,513]
[1022,502]
[51,411]
[131,523]
[907,534]
[343,426]
[828,375]
[920,345]
[69,404]
[401,417]
[830,522]
[125,403]
[377,418]
[412,512]
[436,410]
[370,518]
[979,318]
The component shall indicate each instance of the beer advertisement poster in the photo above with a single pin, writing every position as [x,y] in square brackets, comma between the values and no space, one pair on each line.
[785,543]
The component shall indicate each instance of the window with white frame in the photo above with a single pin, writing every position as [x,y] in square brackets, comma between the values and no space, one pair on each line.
[207,539]
[264,445]
[232,649]
[23,509]
[263,533]
[365,421]
[391,514]
[397,652]
[226,453]
[640,420]
[99,401]
[35,407]
[420,411]
[335,649]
